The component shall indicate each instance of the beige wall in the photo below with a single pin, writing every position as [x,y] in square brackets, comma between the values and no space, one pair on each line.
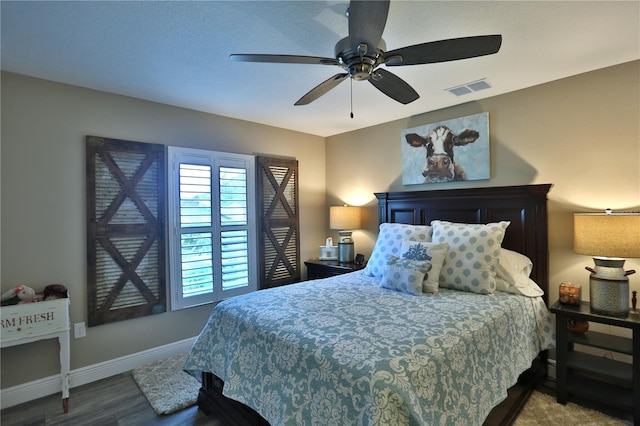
[44,125]
[582,134]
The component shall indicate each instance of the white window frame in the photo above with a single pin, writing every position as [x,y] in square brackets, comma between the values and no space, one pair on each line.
[177,156]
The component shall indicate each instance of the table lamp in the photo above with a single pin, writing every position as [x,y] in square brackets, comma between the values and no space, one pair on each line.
[608,237]
[344,219]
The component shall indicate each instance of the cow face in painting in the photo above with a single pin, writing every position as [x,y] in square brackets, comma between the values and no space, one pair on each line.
[440,143]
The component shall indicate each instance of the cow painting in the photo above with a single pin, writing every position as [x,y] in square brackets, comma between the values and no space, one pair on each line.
[434,153]
[440,143]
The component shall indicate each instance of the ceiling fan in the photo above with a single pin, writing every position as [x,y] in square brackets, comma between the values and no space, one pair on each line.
[363,51]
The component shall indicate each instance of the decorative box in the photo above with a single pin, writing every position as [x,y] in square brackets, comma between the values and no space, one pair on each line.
[328,252]
[570,294]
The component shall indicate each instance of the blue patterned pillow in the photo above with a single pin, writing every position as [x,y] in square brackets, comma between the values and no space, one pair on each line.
[405,275]
[474,249]
[389,242]
[431,252]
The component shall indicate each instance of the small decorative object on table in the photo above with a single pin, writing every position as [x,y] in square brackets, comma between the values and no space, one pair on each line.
[570,294]
[20,295]
[23,294]
[577,326]
[634,300]
[329,251]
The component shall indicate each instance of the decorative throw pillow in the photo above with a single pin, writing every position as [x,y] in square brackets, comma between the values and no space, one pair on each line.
[405,275]
[474,249]
[512,274]
[431,252]
[389,242]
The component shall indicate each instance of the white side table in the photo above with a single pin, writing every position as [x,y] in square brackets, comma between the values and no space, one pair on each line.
[32,322]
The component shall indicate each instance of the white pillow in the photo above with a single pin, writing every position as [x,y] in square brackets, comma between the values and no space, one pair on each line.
[512,274]
[431,252]
[389,242]
[474,249]
[405,275]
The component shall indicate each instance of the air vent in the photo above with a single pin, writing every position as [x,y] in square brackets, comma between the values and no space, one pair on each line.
[471,87]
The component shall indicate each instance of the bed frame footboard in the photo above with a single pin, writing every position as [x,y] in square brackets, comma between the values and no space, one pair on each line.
[233,413]
[228,411]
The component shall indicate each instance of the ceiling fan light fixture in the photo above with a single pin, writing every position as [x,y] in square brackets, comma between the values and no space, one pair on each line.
[361,71]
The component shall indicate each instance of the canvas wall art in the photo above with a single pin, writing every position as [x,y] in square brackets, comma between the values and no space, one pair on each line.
[447,151]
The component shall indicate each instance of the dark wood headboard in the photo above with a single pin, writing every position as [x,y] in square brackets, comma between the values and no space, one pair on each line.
[524,206]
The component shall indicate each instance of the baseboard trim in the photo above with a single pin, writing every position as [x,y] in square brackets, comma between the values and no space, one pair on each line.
[26,392]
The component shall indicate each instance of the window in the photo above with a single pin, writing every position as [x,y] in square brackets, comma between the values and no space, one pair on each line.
[212,229]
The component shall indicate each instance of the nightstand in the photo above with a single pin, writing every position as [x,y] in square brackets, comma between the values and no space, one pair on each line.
[317,268]
[600,379]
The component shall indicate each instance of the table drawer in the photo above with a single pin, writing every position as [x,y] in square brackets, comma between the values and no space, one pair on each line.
[34,319]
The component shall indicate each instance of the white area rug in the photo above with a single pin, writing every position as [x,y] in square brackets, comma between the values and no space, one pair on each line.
[543,410]
[166,386]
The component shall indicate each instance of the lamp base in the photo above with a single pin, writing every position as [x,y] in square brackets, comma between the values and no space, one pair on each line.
[345,236]
[609,288]
[609,298]
[345,252]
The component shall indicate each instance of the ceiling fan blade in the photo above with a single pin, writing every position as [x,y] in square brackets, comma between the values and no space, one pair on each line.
[393,86]
[444,50]
[366,23]
[283,59]
[321,89]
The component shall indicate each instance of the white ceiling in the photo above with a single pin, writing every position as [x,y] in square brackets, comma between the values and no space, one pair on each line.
[177,53]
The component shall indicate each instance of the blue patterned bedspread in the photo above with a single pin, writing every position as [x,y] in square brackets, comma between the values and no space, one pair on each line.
[343,351]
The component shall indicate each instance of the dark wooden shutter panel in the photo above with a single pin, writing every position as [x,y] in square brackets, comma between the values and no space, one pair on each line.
[125,229]
[279,232]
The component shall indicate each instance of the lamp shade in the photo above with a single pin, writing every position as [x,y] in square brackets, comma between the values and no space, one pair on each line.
[344,217]
[607,234]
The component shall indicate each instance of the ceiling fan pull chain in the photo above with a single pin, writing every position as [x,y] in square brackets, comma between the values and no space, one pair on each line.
[351,80]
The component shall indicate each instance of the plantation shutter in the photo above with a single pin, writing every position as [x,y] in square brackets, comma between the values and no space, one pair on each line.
[279,233]
[212,239]
[125,229]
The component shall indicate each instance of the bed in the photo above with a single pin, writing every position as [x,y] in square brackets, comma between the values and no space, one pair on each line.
[346,350]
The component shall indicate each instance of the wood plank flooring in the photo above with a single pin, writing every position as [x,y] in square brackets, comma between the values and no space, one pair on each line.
[118,401]
[112,401]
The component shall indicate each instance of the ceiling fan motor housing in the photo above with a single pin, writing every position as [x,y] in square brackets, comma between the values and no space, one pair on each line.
[360,63]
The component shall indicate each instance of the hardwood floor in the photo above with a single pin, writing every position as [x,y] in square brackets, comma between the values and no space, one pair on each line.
[116,400]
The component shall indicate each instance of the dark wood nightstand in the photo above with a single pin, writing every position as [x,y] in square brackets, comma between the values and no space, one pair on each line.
[317,268]
[607,381]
